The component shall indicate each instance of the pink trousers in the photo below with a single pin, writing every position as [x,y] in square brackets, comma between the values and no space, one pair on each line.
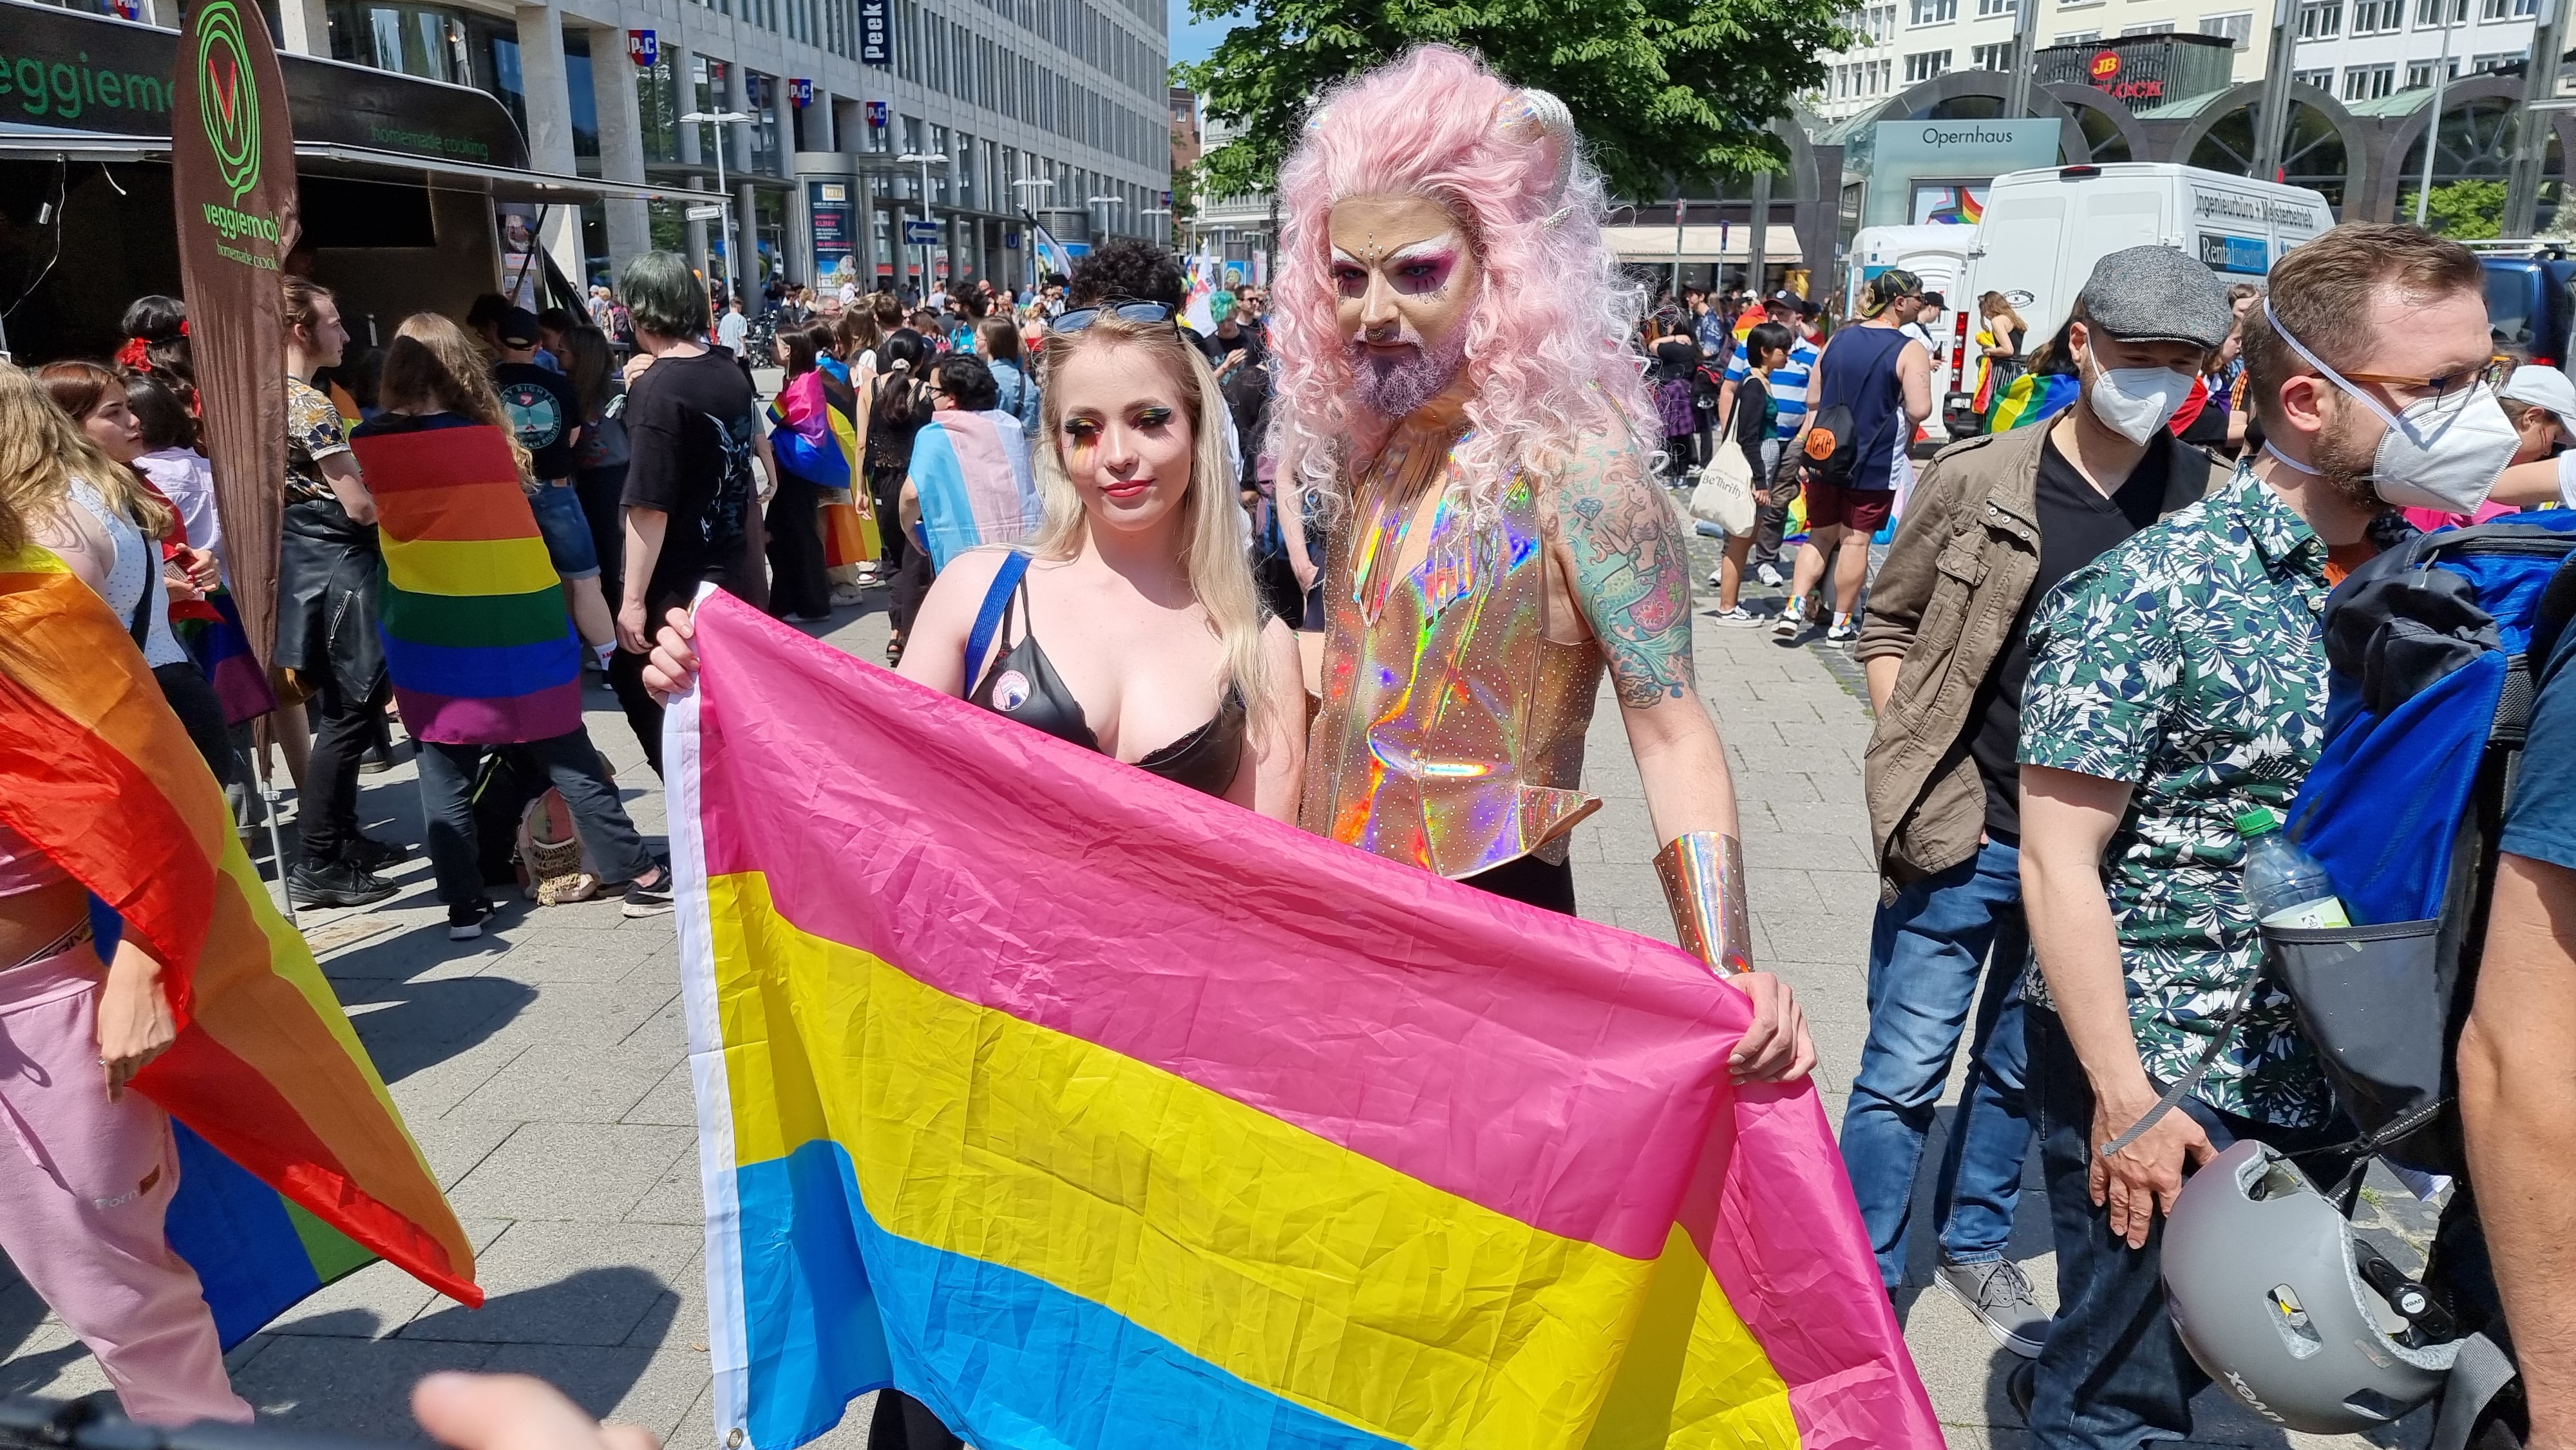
[81,1217]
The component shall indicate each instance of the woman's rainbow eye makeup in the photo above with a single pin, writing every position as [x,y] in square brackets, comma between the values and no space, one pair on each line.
[1153,417]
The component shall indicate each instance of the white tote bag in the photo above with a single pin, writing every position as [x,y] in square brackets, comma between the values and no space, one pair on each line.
[1724,496]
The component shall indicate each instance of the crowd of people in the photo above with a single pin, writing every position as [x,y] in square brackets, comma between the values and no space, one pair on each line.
[2096,648]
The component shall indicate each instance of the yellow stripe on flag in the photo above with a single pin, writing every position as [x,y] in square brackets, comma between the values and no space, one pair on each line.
[1693,1375]
[470,567]
[1295,1264]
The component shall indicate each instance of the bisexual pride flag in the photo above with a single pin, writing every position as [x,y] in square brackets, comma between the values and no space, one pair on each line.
[295,1167]
[477,636]
[1090,1110]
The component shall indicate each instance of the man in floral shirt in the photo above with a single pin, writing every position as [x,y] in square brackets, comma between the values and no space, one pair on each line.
[2174,682]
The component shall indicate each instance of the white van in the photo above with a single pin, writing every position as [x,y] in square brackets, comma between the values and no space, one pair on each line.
[1937,254]
[2043,230]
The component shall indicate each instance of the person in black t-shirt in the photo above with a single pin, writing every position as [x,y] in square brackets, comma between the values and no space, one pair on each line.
[692,493]
[545,413]
[1994,523]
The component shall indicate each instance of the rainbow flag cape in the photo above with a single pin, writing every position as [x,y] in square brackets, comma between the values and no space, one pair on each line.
[2030,398]
[1089,1110]
[266,1072]
[477,636]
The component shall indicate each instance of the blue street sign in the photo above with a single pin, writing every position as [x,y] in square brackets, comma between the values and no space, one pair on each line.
[921,233]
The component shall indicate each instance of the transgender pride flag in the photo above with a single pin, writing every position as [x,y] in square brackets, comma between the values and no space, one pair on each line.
[476,634]
[1094,1111]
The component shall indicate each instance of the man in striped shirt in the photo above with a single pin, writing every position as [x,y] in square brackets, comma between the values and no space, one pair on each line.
[1789,390]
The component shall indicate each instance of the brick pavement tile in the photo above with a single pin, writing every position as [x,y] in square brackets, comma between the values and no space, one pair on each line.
[568,1283]
[667,1029]
[379,1299]
[696,1429]
[678,1197]
[643,1387]
[574,956]
[567,1084]
[354,1387]
[1805,848]
[673,1102]
[592,1014]
[456,1146]
[592,1172]
[429,1090]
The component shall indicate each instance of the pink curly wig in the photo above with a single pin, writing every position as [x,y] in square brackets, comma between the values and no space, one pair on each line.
[1549,341]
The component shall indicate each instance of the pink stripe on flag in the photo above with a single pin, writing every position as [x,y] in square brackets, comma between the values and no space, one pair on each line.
[1471,1077]
[537,715]
[992,482]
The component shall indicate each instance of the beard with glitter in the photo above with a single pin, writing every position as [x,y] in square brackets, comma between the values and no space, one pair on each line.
[1392,382]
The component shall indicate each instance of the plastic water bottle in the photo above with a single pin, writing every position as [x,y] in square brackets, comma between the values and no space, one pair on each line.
[2283,883]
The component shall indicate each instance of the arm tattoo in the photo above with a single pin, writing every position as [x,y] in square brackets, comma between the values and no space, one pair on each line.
[1631,573]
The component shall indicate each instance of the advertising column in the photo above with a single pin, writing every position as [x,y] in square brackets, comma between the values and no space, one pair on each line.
[232,180]
[834,218]
[1931,172]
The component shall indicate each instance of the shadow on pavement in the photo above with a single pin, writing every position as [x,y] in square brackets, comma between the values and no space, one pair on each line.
[408,1023]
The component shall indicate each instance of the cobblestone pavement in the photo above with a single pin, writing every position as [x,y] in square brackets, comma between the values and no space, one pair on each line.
[543,1070]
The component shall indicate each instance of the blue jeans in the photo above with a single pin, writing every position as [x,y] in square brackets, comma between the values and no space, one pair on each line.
[2114,1375]
[1928,951]
[566,530]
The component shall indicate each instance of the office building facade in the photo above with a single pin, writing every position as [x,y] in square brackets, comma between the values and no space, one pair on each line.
[1055,107]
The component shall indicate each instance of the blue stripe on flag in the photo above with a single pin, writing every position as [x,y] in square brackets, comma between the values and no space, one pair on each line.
[235,1232]
[1029,1358]
[484,672]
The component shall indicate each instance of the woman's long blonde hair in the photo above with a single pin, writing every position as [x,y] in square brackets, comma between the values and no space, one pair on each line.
[1219,573]
[434,367]
[42,449]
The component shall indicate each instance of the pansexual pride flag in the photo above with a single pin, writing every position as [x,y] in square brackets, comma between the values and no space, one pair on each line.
[477,636]
[96,771]
[1092,1111]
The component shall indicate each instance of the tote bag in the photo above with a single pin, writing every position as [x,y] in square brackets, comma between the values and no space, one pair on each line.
[1724,495]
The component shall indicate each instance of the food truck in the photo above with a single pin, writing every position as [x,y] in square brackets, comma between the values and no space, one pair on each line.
[415,195]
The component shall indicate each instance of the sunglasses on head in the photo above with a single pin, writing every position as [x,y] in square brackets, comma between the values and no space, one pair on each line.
[1143,313]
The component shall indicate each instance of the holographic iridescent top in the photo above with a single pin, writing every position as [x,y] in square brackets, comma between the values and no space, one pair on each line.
[1451,731]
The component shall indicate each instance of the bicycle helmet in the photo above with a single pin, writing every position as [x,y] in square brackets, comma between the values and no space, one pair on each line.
[2279,1300]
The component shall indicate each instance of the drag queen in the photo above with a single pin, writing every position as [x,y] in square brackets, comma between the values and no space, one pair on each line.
[1460,403]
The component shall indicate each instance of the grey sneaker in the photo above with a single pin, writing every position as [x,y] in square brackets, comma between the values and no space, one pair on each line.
[1771,576]
[1999,1294]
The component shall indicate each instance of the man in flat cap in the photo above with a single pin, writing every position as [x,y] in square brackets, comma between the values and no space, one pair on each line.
[1994,524]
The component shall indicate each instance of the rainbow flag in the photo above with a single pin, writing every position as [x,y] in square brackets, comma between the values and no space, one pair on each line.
[216,640]
[266,1072]
[2031,398]
[477,636]
[1087,1109]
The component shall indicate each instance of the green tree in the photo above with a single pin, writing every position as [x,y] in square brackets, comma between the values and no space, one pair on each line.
[1660,89]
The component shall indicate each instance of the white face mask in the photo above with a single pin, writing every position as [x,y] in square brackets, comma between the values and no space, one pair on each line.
[2441,453]
[2135,402]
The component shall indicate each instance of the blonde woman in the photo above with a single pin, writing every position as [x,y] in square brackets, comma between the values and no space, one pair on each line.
[1132,626]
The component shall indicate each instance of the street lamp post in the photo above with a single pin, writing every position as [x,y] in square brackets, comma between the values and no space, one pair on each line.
[1106,201]
[724,198]
[1161,211]
[925,160]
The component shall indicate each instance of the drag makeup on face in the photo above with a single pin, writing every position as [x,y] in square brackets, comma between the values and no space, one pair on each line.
[1405,280]
[1125,435]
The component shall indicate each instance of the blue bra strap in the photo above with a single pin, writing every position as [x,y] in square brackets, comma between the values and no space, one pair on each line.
[989,618]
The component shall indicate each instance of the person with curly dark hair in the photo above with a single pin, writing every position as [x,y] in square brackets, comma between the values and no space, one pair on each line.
[1129,269]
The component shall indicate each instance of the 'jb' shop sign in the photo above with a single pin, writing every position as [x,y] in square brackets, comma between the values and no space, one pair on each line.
[2105,71]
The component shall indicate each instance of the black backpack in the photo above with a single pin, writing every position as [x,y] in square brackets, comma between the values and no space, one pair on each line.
[1831,450]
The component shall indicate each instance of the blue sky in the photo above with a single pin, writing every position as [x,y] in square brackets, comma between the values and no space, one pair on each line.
[1193,41]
